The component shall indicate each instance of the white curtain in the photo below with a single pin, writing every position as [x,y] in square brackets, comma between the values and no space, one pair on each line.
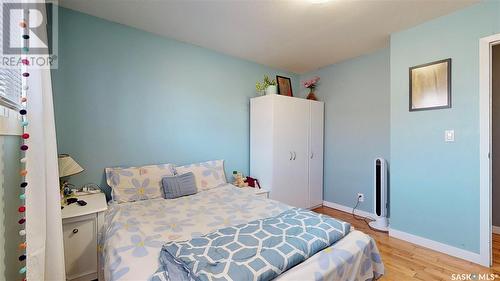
[45,252]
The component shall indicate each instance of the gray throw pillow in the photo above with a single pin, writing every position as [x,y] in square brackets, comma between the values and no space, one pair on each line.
[179,185]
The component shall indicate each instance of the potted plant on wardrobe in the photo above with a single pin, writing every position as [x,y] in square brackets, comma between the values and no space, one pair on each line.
[267,86]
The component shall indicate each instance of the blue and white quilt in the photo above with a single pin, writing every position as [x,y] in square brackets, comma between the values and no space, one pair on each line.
[133,235]
[258,250]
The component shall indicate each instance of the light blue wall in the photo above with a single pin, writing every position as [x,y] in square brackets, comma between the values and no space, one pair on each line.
[356,96]
[9,202]
[128,97]
[435,185]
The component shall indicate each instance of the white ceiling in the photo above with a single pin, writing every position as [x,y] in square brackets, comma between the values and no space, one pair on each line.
[295,35]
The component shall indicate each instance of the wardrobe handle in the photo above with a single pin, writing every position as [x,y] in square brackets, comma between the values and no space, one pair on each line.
[291,155]
[312,155]
[75,231]
[294,155]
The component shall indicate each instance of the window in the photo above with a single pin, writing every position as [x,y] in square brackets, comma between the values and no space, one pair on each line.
[10,78]
[10,90]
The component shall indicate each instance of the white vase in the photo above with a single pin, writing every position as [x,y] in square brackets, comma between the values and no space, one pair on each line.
[271,90]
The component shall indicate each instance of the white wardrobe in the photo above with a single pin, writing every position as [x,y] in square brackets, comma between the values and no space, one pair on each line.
[286,148]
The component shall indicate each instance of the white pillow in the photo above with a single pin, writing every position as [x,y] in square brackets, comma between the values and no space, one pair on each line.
[137,183]
[208,174]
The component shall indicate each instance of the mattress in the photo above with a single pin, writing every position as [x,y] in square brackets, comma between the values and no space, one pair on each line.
[133,234]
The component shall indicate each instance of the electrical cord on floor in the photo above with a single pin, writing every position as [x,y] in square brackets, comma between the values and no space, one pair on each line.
[359,218]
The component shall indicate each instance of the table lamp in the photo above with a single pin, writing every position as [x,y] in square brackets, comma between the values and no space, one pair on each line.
[67,167]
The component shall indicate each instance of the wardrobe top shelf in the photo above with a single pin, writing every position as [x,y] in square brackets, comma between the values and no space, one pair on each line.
[283,97]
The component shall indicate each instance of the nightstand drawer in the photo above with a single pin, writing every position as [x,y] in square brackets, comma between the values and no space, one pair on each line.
[80,247]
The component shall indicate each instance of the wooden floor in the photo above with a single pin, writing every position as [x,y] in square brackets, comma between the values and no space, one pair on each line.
[407,261]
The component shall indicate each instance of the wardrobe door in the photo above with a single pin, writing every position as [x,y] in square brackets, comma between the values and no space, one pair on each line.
[316,130]
[261,140]
[291,122]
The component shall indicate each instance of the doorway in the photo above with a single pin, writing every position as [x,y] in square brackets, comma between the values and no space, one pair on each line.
[495,152]
[486,149]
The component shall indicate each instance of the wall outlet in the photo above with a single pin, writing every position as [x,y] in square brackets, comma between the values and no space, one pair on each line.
[361,197]
[449,135]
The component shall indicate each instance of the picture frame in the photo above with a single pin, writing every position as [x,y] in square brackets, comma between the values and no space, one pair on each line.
[430,86]
[284,86]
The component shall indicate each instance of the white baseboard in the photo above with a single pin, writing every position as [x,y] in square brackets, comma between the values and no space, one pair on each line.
[418,240]
[495,229]
[436,246]
[346,209]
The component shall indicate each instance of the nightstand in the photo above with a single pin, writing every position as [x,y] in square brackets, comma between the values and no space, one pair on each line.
[81,227]
[261,192]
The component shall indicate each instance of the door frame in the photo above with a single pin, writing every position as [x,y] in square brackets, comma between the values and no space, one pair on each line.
[485,175]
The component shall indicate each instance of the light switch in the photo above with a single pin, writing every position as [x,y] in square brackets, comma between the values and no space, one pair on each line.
[449,135]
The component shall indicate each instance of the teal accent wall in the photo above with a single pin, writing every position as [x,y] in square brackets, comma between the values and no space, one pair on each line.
[9,202]
[127,97]
[435,185]
[357,124]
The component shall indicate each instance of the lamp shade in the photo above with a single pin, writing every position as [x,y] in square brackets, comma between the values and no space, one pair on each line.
[68,166]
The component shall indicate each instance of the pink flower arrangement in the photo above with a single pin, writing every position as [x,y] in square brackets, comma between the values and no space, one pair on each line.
[311,83]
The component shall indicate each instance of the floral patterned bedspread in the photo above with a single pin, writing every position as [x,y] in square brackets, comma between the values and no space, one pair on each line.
[133,233]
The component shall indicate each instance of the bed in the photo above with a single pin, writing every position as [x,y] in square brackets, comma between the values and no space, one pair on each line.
[134,233]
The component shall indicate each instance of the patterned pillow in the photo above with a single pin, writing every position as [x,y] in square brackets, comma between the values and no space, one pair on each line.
[179,185]
[137,183]
[207,174]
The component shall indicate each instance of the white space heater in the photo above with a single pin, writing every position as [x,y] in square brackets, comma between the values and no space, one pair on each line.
[380,192]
